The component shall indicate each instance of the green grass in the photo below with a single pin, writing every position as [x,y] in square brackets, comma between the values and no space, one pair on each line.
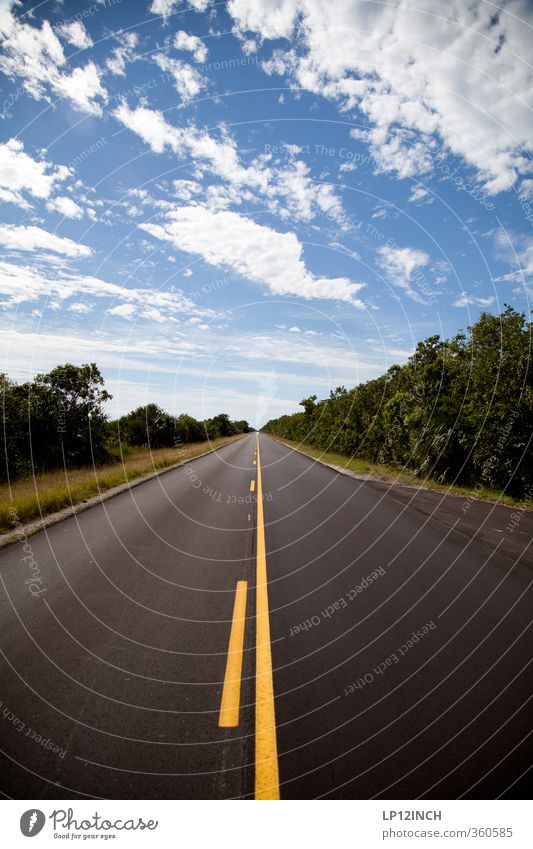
[391,473]
[46,493]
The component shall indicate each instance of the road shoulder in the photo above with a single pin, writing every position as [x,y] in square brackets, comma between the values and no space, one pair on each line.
[22,531]
[493,524]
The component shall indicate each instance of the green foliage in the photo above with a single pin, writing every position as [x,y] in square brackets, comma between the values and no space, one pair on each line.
[54,420]
[458,411]
[149,426]
[222,426]
[189,429]
[58,420]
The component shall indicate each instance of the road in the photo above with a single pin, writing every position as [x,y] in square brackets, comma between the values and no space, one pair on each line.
[256,624]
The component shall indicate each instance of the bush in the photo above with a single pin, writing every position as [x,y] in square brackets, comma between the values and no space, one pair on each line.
[460,410]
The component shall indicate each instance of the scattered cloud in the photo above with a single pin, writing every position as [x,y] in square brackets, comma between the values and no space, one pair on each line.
[525,191]
[29,238]
[286,187]
[65,206]
[80,308]
[76,34]
[35,56]
[127,311]
[83,88]
[188,82]
[257,252]
[466,300]
[402,268]
[419,193]
[421,79]
[169,7]
[123,54]
[19,172]
[191,44]
[517,250]
[20,284]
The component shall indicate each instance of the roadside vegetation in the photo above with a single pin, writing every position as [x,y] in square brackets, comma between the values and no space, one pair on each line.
[458,413]
[393,474]
[60,448]
[41,494]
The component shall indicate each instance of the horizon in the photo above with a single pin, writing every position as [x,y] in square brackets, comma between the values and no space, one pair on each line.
[223,219]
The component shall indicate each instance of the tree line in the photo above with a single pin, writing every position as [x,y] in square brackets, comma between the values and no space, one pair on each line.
[459,410]
[58,419]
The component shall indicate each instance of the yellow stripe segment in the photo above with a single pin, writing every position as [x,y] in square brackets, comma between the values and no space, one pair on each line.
[266,749]
[252,486]
[231,694]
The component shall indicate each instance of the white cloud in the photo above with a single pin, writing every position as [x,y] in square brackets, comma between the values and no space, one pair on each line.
[419,193]
[31,53]
[76,34]
[80,308]
[416,73]
[191,44]
[36,57]
[517,250]
[186,189]
[19,172]
[83,88]
[152,128]
[263,255]
[198,5]
[124,53]
[168,7]
[402,267]
[36,239]
[469,300]
[65,206]
[249,47]
[270,19]
[20,284]
[526,190]
[164,7]
[126,311]
[285,186]
[188,82]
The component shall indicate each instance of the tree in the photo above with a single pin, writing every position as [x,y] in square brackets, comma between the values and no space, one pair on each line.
[148,425]
[189,429]
[460,410]
[308,404]
[218,426]
[66,417]
[55,419]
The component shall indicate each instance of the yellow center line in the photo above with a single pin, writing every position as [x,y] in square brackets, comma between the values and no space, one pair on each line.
[266,749]
[252,486]
[231,694]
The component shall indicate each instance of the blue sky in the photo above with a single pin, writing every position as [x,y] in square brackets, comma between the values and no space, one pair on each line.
[230,206]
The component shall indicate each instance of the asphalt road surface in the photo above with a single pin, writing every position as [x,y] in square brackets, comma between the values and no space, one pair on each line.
[256,624]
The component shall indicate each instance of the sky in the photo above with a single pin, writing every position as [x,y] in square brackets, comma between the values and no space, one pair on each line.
[229,206]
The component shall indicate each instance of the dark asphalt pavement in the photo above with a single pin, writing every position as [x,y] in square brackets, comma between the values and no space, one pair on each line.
[400,643]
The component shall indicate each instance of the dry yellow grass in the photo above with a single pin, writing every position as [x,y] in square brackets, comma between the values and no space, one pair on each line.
[43,494]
